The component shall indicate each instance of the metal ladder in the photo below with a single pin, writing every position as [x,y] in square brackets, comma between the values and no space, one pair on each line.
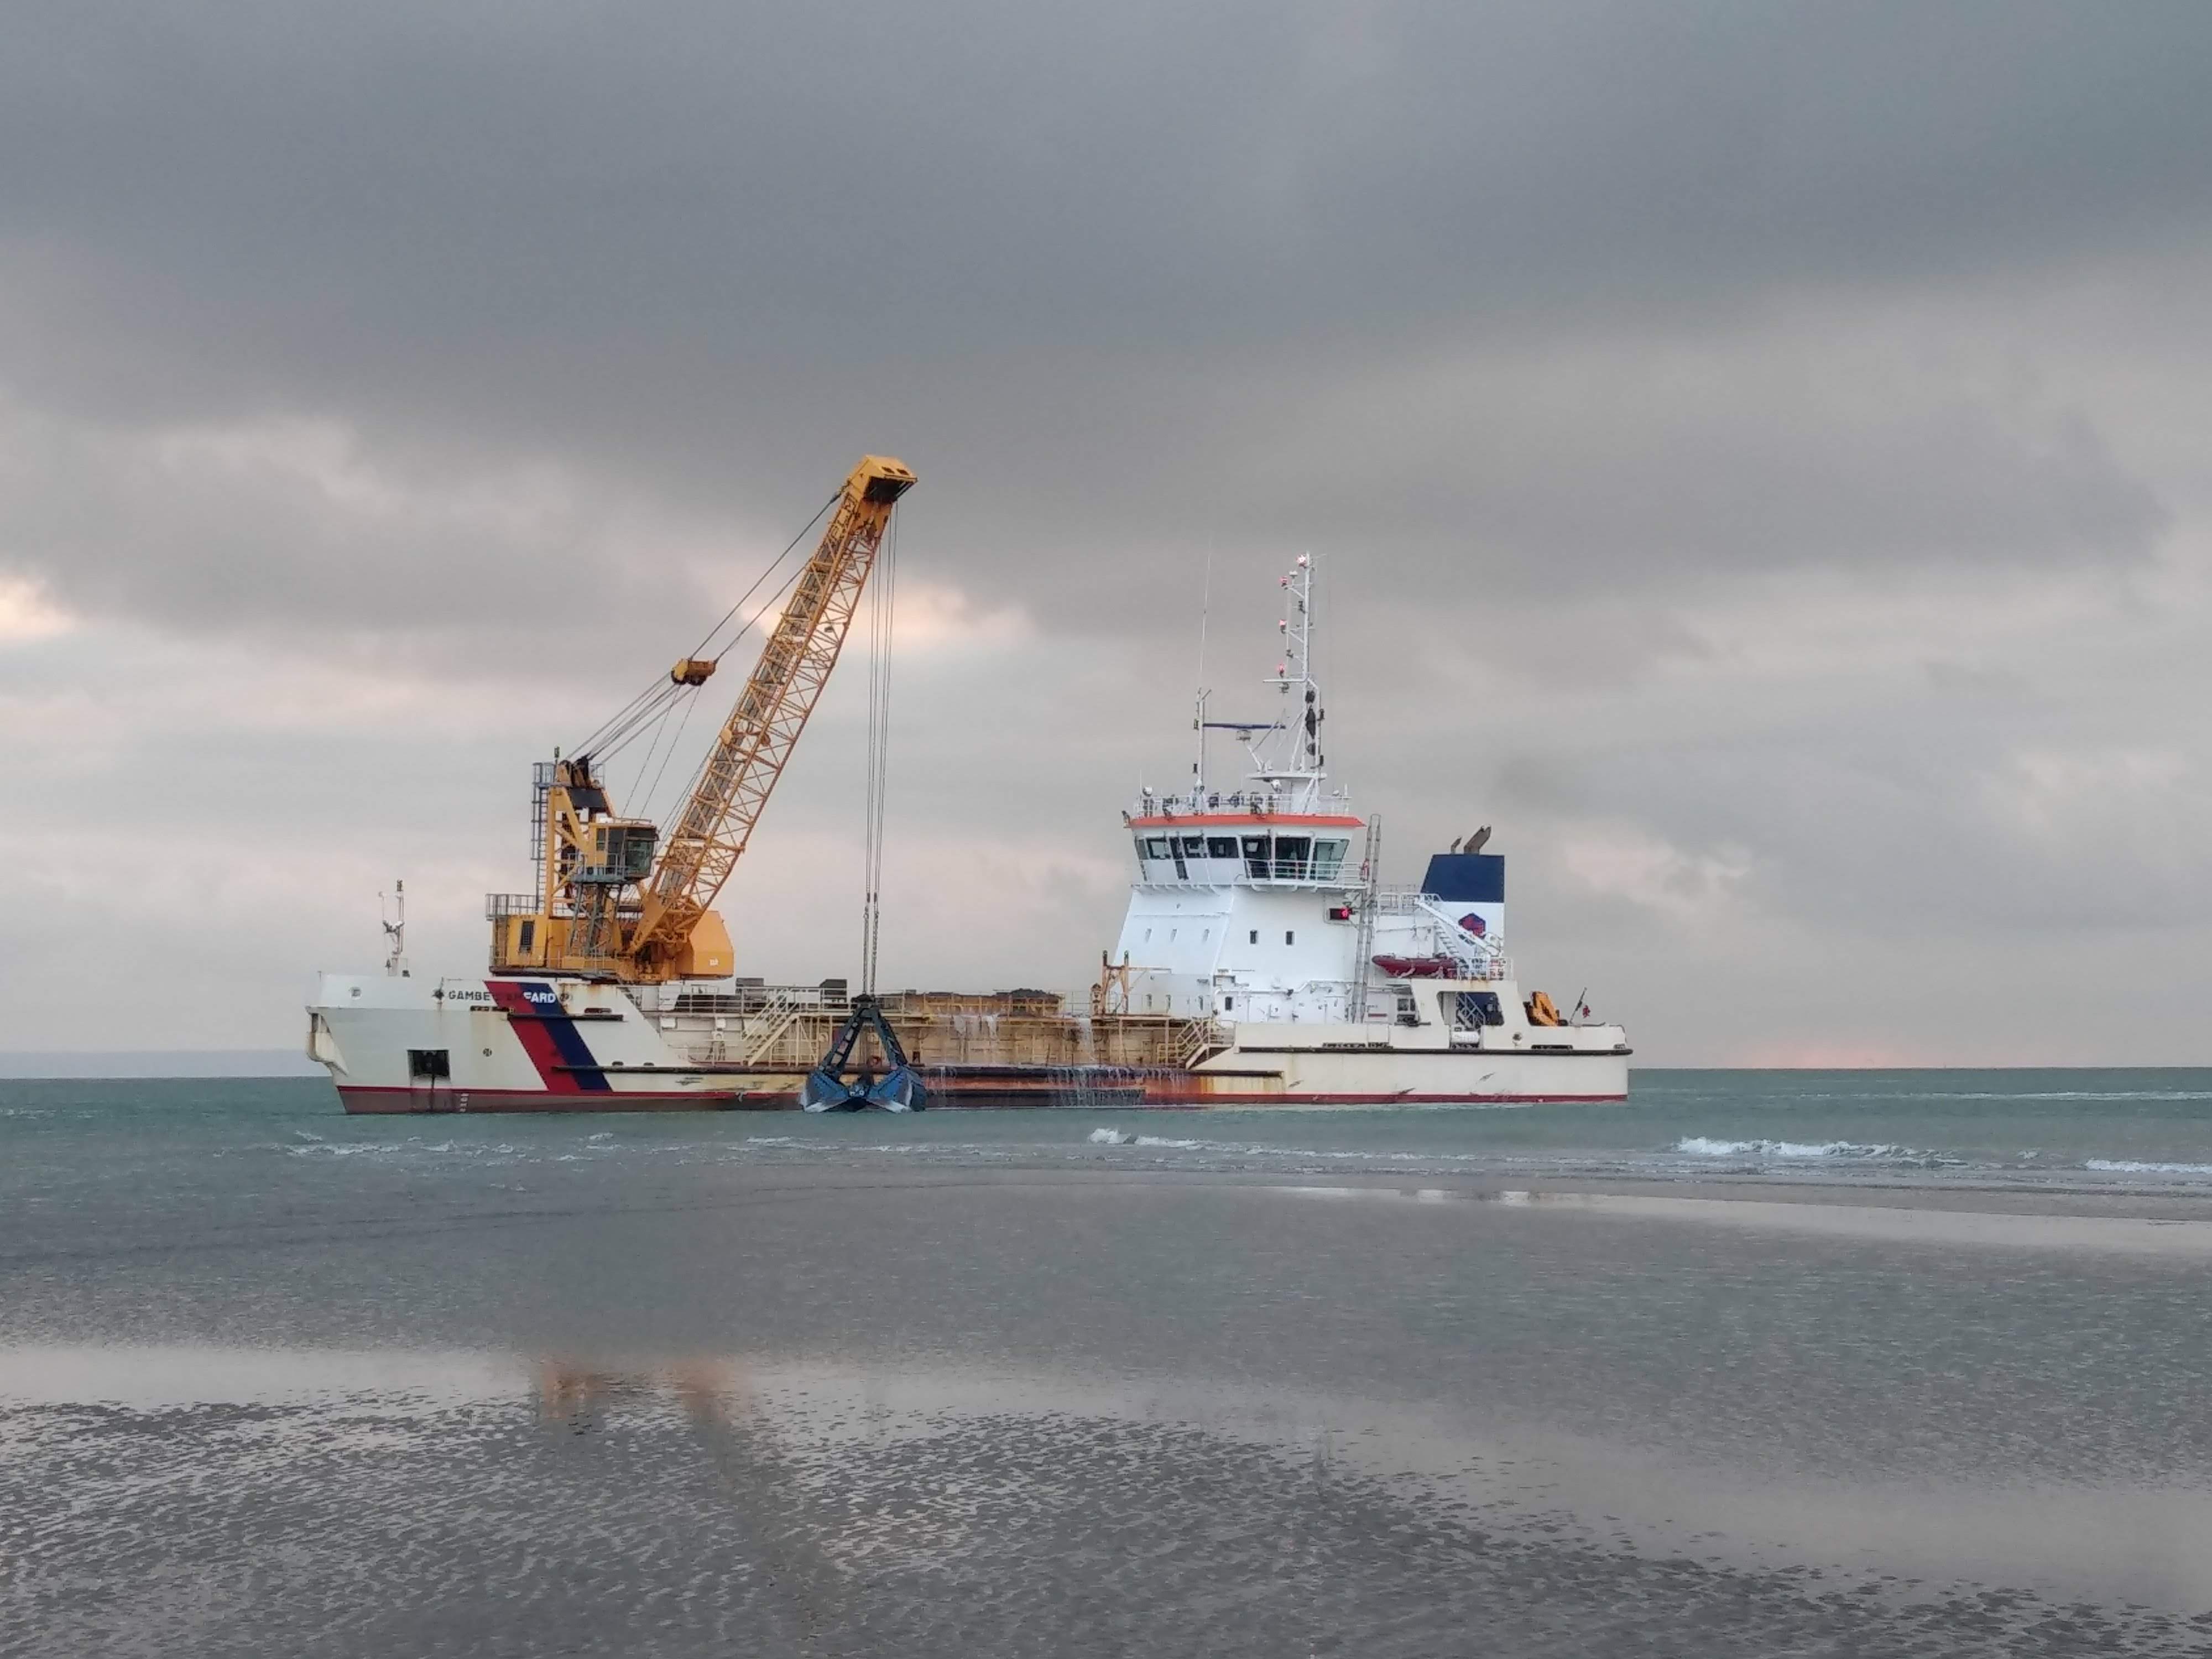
[1371,867]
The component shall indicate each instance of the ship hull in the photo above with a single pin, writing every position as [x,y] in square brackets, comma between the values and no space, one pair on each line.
[385,1103]
[406,1046]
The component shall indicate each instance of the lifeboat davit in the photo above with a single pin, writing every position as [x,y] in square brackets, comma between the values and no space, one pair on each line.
[1417,967]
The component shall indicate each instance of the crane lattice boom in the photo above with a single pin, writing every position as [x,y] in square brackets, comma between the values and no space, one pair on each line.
[748,755]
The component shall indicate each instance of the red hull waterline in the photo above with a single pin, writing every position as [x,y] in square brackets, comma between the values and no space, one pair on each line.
[423,1102]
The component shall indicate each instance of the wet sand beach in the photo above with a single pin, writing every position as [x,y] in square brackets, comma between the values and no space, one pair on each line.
[507,1389]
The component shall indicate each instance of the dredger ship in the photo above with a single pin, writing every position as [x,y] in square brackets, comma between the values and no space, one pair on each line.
[1262,961]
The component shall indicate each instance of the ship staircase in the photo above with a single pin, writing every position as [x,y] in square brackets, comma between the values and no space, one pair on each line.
[766,1025]
[1197,1041]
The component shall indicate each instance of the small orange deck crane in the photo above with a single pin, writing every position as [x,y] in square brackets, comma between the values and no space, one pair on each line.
[614,900]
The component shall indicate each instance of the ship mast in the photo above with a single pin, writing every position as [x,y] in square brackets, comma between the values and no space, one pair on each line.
[1287,757]
[395,931]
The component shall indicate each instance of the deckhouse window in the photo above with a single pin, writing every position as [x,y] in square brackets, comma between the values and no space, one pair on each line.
[1255,857]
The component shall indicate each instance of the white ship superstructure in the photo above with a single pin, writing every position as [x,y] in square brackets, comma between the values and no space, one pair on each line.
[1258,911]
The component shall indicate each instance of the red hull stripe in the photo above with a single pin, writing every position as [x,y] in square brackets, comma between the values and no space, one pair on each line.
[359,1100]
[552,1042]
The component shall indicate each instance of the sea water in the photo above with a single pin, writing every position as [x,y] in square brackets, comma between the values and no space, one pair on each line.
[1848,1363]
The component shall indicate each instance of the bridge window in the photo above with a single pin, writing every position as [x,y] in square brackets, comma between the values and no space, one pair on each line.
[1328,859]
[1156,847]
[1193,847]
[1255,857]
[1221,847]
[1293,855]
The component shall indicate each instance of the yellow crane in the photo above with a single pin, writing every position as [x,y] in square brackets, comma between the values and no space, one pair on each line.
[616,901]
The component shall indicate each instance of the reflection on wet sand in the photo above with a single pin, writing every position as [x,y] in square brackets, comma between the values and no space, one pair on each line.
[823,1468]
[707,1389]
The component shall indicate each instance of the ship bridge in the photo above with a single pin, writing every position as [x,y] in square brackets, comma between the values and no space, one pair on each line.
[1229,842]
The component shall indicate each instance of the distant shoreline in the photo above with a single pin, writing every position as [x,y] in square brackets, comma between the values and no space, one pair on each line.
[156,1064]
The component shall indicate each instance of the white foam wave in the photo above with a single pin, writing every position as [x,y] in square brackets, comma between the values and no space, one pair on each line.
[1706,1146]
[1171,1143]
[326,1149]
[398,1148]
[2134,1166]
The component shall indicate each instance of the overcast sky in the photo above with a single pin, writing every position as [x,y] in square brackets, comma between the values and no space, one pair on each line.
[1756,454]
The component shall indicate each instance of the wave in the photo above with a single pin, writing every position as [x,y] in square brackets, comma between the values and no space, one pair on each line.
[397,1149]
[2134,1166]
[1706,1146]
[1122,1137]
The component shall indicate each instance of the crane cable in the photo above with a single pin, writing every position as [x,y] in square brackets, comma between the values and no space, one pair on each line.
[653,703]
[690,698]
[882,615]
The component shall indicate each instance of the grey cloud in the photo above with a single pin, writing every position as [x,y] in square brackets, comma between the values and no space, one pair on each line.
[916,180]
[1898,827]
[1484,296]
[695,240]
